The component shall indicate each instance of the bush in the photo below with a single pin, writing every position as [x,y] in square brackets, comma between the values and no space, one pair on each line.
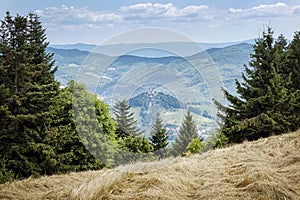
[5,174]
[194,146]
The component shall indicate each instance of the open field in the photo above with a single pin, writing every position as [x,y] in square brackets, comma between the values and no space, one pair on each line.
[264,169]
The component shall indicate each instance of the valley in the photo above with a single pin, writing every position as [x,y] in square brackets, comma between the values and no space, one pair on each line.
[193,81]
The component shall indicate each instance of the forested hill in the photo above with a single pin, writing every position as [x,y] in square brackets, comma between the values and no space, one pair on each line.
[230,61]
[232,54]
[236,54]
[155,98]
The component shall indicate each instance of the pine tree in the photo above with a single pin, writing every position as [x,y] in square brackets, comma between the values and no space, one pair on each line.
[159,137]
[187,132]
[263,104]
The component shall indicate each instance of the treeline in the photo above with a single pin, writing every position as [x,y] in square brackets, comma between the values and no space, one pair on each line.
[45,129]
[268,98]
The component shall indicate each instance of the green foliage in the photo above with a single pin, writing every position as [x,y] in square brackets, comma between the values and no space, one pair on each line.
[5,174]
[159,137]
[293,54]
[194,146]
[267,101]
[163,100]
[28,90]
[125,120]
[70,144]
[216,140]
[94,125]
[132,144]
[44,129]
[187,132]
[136,144]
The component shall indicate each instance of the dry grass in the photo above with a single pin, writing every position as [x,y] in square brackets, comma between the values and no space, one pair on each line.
[265,169]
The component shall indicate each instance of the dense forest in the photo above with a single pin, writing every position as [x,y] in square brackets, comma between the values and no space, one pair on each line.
[47,129]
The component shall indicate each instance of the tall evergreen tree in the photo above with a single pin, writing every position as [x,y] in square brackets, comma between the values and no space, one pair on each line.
[294,61]
[125,120]
[38,134]
[263,104]
[159,137]
[187,132]
[294,71]
[29,89]
[129,135]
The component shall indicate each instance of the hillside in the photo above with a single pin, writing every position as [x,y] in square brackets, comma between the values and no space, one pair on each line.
[230,60]
[265,169]
[127,76]
[158,98]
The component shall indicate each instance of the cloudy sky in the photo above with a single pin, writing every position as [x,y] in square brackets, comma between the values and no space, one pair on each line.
[91,21]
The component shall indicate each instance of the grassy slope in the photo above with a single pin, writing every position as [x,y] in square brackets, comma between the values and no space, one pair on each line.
[264,169]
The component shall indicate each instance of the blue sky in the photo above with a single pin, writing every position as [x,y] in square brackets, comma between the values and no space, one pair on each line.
[91,21]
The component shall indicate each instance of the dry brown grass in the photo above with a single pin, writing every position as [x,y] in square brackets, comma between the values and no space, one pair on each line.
[265,169]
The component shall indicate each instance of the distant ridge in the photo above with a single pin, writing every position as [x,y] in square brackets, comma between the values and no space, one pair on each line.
[126,47]
[67,52]
[79,46]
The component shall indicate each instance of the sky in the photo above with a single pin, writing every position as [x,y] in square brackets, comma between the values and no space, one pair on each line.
[213,21]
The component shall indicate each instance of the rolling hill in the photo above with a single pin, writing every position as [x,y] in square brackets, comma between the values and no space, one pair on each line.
[265,169]
[230,60]
[127,76]
[90,47]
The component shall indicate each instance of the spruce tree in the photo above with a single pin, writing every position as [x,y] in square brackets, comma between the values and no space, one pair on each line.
[294,61]
[187,132]
[159,137]
[129,135]
[29,89]
[125,120]
[264,103]
[294,70]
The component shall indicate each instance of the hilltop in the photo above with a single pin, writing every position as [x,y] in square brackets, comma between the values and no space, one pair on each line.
[265,169]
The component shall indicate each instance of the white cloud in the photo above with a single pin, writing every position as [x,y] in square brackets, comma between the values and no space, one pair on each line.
[233,10]
[136,7]
[158,10]
[71,17]
[187,11]
[264,10]
[193,18]
[148,7]
[269,7]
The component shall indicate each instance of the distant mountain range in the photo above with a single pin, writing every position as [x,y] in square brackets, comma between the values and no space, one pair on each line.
[172,78]
[111,49]
[229,59]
